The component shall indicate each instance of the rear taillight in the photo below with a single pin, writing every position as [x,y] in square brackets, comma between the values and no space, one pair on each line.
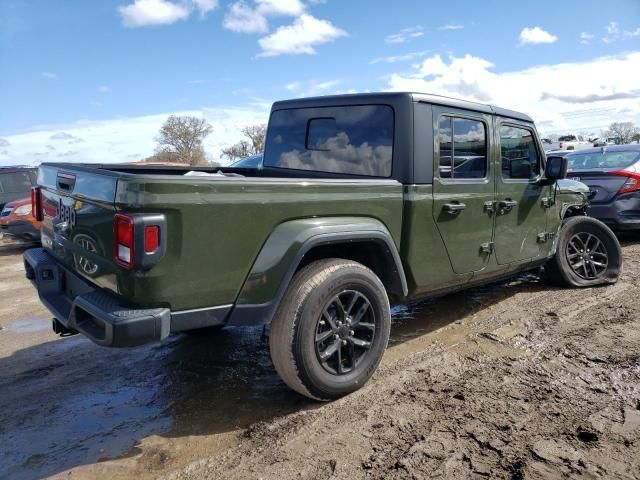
[151,238]
[36,203]
[561,145]
[631,184]
[123,240]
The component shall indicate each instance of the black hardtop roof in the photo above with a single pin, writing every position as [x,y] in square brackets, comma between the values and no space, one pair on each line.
[630,147]
[392,97]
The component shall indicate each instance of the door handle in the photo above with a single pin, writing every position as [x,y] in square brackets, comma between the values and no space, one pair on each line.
[505,206]
[453,208]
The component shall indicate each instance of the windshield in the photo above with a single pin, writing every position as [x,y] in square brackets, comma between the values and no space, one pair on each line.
[568,138]
[598,160]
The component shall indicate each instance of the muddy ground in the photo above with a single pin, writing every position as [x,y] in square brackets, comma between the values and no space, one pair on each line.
[513,380]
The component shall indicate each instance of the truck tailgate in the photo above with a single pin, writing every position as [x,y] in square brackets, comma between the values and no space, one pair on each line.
[78,205]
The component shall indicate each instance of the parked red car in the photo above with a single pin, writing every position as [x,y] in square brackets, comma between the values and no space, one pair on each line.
[17,220]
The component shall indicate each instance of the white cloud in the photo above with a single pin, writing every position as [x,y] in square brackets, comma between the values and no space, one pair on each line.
[587,95]
[398,58]
[144,13]
[297,38]
[536,35]
[67,137]
[300,37]
[242,18]
[632,34]
[104,89]
[122,139]
[292,87]
[405,35]
[585,37]
[327,85]
[452,26]
[205,6]
[49,75]
[613,32]
[310,88]
[292,8]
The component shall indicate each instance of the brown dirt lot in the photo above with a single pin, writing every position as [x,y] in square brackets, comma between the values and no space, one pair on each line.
[513,380]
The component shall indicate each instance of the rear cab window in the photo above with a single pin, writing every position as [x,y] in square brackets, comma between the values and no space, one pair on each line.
[350,140]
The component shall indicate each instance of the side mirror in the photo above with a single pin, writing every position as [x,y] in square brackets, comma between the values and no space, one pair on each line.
[556,169]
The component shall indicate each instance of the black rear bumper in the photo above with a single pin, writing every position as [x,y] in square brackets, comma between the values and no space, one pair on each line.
[99,315]
[621,213]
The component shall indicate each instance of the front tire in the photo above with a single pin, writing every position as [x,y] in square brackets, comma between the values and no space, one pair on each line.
[331,329]
[588,254]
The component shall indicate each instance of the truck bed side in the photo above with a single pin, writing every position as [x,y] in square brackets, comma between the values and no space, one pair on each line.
[215,226]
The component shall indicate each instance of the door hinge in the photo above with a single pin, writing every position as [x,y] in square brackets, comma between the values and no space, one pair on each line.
[486,248]
[490,207]
[545,236]
[547,202]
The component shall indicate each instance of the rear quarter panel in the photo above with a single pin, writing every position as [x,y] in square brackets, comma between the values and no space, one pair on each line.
[217,227]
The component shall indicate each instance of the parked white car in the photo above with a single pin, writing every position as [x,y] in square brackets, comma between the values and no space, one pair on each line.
[573,142]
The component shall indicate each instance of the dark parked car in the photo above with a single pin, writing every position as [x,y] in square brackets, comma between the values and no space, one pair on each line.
[558,153]
[612,173]
[16,183]
[252,161]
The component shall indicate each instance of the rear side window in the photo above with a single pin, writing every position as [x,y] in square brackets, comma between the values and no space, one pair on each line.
[616,160]
[353,140]
[15,182]
[567,138]
[518,153]
[463,148]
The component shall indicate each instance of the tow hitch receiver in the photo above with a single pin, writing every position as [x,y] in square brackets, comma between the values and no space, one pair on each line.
[61,330]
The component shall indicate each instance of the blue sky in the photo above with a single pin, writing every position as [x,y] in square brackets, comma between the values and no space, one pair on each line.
[105,73]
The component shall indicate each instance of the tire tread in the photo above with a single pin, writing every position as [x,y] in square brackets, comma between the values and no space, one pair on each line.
[283,326]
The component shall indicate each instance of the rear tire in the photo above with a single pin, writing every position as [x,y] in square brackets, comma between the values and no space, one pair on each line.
[331,329]
[587,254]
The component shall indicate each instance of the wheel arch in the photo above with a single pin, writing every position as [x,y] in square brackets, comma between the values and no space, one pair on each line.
[295,244]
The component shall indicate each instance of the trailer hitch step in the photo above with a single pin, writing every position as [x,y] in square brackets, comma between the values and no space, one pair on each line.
[61,330]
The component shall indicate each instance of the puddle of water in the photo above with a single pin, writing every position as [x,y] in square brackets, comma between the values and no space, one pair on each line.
[29,325]
[69,402]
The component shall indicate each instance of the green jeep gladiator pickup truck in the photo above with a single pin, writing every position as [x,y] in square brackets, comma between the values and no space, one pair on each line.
[361,201]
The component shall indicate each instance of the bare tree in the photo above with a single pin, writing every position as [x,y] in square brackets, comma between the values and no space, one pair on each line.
[181,138]
[255,134]
[163,157]
[625,131]
[252,145]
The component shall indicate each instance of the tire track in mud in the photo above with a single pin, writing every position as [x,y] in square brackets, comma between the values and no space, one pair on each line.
[531,386]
